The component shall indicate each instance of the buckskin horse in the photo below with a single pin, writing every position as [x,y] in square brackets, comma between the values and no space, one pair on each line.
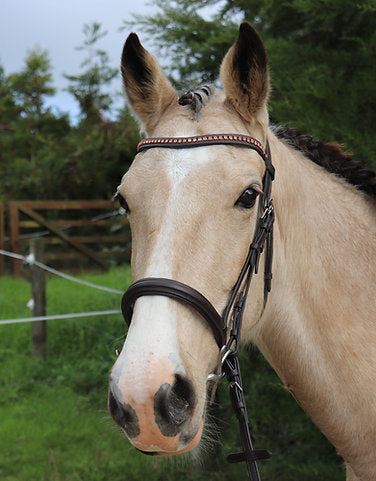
[196,195]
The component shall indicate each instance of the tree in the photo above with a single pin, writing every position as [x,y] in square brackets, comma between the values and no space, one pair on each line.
[102,152]
[322,55]
[87,87]
[33,83]
[31,136]
[8,107]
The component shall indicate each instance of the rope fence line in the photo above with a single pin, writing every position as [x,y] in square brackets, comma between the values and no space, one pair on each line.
[60,316]
[30,260]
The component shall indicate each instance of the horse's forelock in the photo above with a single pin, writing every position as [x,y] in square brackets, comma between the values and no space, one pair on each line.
[197,97]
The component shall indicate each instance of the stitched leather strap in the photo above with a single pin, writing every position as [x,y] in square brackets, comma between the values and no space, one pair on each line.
[215,139]
[202,140]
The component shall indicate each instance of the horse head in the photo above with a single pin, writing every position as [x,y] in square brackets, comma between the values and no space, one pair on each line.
[193,214]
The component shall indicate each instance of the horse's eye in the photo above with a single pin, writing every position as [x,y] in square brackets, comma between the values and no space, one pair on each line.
[122,202]
[248,198]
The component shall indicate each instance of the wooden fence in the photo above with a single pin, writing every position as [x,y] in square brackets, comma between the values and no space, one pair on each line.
[79,235]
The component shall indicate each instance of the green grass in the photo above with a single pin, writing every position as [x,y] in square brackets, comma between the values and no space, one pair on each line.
[54,422]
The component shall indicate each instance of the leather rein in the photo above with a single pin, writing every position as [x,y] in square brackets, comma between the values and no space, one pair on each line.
[233,313]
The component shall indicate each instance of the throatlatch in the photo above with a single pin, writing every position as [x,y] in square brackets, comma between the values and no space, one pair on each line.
[233,313]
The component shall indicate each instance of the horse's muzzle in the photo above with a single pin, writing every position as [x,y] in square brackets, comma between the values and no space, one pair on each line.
[160,424]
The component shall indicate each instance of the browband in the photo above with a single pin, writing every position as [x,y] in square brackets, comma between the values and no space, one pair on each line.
[210,139]
[198,140]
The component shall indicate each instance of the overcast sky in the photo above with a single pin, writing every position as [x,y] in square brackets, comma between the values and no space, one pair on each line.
[56,25]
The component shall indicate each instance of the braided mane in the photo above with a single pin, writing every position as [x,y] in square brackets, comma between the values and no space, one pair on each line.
[332,158]
[197,97]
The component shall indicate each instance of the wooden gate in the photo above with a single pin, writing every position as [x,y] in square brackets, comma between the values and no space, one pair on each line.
[97,223]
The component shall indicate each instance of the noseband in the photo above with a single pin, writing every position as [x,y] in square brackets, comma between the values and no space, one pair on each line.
[228,343]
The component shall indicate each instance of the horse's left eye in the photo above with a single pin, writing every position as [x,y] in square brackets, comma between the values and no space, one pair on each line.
[248,198]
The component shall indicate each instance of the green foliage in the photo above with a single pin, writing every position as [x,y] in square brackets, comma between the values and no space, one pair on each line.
[33,83]
[87,87]
[8,108]
[322,56]
[31,147]
[44,156]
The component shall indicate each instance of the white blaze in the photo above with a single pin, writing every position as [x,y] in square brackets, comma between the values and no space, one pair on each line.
[152,335]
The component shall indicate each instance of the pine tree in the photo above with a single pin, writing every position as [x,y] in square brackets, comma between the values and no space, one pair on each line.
[88,86]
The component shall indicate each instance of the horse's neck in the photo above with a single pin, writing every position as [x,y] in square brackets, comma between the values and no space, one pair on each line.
[319,331]
[325,234]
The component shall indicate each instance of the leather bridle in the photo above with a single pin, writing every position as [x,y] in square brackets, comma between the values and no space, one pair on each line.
[232,316]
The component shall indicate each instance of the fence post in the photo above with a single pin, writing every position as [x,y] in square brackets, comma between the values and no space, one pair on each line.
[38,294]
[14,220]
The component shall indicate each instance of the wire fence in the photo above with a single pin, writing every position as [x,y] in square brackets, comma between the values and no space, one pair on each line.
[31,261]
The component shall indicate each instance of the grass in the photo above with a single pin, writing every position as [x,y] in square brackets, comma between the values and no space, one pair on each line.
[54,422]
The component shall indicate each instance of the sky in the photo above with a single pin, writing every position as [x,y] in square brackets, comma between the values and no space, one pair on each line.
[56,26]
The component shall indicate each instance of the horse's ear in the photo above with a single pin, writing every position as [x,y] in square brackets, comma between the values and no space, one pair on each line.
[146,86]
[245,75]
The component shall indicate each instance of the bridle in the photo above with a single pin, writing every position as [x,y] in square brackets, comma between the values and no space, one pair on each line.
[233,312]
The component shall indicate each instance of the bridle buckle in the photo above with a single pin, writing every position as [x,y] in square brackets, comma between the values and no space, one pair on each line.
[268,210]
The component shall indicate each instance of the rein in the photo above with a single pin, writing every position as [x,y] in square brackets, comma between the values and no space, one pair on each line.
[233,312]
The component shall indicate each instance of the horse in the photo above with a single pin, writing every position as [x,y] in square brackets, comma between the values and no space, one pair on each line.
[193,214]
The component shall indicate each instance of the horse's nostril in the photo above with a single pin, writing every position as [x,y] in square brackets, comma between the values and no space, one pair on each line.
[181,400]
[173,405]
[124,415]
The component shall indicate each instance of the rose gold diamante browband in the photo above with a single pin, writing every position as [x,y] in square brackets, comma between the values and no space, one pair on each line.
[201,140]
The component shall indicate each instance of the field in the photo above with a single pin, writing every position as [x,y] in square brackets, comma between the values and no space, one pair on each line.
[54,423]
